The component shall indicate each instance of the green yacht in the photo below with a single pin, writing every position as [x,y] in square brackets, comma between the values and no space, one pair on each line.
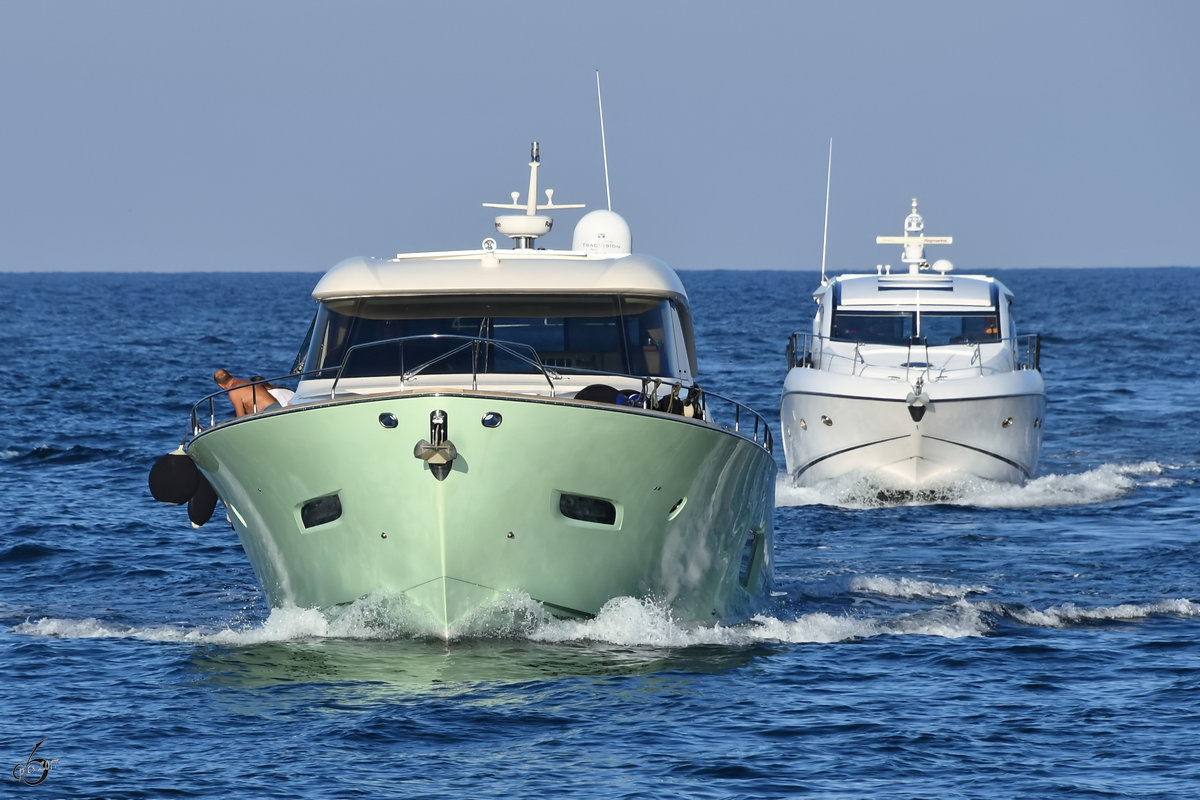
[475,423]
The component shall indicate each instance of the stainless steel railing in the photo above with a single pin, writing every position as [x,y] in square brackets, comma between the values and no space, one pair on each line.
[807,350]
[656,394]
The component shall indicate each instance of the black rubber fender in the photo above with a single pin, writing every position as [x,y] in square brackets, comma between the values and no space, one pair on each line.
[203,502]
[174,478]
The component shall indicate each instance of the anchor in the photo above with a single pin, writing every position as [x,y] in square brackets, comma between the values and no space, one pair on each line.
[438,451]
[918,401]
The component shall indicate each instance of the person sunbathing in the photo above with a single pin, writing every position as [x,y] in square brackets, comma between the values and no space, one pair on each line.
[246,397]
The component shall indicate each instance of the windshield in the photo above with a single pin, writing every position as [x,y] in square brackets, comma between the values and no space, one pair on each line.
[568,333]
[908,327]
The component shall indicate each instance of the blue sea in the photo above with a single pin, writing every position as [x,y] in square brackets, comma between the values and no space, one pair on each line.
[1036,641]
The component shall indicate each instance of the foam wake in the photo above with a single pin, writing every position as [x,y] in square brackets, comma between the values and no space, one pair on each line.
[627,621]
[1103,484]
[909,588]
[1070,615]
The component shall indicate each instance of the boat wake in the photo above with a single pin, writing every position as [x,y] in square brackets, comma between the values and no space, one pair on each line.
[1103,484]
[956,612]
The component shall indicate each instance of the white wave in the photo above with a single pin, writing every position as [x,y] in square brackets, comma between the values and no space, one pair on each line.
[90,628]
[1070,614]
[788,494]
[955,621]
[627,621]
[632,622]
[623,621]
[1103,484]
[288,624]
[282,625]
[816,628]
[910,588]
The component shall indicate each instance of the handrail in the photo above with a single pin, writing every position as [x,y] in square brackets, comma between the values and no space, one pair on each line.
[1031,343]
[807,351]
[474,343]
[211,400]
[655,391]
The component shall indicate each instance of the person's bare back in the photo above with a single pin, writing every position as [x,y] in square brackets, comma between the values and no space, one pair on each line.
[246,398]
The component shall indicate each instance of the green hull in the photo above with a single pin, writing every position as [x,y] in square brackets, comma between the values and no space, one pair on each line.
[657,505]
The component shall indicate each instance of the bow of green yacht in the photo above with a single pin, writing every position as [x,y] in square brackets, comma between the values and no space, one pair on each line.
[473,424]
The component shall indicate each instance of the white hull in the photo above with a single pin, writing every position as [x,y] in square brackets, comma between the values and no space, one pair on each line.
[988,427]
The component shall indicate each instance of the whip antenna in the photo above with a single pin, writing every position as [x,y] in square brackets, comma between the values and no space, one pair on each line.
[825,236]
[603,145]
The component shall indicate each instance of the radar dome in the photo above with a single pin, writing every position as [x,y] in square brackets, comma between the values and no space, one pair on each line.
[603,233]
[942,265]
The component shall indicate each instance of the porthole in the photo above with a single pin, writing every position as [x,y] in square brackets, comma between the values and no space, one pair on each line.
[587,509]
[321,510]
[751,558]
[677,509]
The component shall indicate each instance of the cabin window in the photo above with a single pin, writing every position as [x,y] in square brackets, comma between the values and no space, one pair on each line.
[933,328]
[873,328]
[441,335]
[938,328]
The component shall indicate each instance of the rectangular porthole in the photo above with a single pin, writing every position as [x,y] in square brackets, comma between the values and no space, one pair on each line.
[751,558]
[587,509]
[321,510]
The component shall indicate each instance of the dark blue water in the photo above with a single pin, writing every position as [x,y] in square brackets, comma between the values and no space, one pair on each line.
[1010,642]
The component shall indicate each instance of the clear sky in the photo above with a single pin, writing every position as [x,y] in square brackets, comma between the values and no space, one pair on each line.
[286,135]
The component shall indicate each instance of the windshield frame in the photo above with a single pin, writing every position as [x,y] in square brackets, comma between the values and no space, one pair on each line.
[587,333]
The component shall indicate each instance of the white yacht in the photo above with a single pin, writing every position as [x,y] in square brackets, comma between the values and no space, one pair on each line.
[915,378]
[474,423]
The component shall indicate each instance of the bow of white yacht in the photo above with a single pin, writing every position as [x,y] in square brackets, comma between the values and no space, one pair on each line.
[916,378]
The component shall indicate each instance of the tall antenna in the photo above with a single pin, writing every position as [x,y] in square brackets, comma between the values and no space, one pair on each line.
[603,144]
[825,237]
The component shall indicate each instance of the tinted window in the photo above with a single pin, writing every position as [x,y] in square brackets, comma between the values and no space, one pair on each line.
[932,328]
[588,333]
[873,328]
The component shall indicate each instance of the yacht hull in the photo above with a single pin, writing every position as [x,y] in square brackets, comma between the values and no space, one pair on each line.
[989,427]
[656,505]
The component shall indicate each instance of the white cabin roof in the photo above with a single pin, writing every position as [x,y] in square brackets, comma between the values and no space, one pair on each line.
[520,272]
[600,261]
[909,290]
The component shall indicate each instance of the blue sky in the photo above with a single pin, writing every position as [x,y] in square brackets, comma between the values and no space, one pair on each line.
[288,135]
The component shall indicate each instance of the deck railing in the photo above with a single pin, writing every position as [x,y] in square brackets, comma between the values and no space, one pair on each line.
[481,350]
[807,350]
[656,393]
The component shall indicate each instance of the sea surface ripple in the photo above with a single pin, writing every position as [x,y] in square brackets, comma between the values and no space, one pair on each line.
[994,641]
